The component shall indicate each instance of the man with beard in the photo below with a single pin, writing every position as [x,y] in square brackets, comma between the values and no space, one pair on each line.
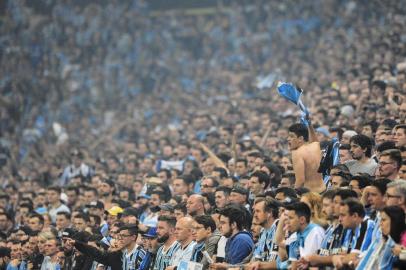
[361,151]
[166,236]
[106,189]
[195,205]
[306,156]
[389,164]
[400,135]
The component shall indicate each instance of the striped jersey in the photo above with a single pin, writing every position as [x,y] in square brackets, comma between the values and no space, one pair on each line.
[359,239]
[332,242]
[163,257]
[266,248]
[378,255]
[132,260]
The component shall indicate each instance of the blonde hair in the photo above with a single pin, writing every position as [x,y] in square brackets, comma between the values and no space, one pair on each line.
[314,201]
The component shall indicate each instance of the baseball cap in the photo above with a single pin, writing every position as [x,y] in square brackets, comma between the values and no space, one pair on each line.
[166,207]
[240,190]
[144,195]
[151,233]
[130,211]
[95,204]
[68,232]
[115,210]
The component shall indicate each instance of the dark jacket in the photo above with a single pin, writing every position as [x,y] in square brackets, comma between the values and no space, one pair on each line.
[239,247]
[112,259]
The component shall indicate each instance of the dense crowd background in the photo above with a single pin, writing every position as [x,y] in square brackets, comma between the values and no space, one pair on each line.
[104,104]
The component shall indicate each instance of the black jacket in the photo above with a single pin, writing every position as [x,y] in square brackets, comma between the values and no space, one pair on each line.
[112,259]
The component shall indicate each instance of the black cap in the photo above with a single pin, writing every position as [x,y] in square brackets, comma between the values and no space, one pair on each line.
[108,182]
[130,211]
[166,207]
[95,204]
[68,232]
[240,190]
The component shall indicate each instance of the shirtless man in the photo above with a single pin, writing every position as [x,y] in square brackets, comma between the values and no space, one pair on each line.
[306,156]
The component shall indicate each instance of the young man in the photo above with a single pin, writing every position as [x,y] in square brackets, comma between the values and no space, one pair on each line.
[206,239]
[309,236]
[54,202]
[359,232]
[361,151]
[400,135]
[266,214]
[258,182]
[221,196]
[306,158]
[240,243]
[126,256]
[389,164]
[166,236]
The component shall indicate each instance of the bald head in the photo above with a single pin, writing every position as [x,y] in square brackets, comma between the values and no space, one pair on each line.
[183,230]
[195,205]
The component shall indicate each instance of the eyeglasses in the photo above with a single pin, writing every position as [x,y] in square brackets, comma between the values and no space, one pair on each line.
[122,236]
[198,228]
[391,196]
[205,186]
[382,163]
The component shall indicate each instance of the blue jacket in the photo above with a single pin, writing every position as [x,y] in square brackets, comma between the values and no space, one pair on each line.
[238,247]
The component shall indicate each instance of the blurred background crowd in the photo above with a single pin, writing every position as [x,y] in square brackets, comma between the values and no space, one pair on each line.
[130,95]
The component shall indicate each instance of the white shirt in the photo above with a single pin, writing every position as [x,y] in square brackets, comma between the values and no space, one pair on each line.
[183,254]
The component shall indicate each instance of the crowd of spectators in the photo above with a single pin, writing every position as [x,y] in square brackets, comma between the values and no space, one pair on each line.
[158,134]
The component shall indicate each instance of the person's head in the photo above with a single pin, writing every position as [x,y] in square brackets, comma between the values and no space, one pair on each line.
[339,196]
[63,220]
[15,250]
[165,228]
[106,188]
[219,172]
[195,205]
[327,206]
[400,135]
[285,194]
[389,163]
[96,208]
[51,247]
[359,182]
[184,230]
[232,219]
[204,227]
[402,171]
[288,180]
[344,152]
[392,222]
[298,216]
[396,194]
[265,211]
[298,135]
[221,196]
[5,222]
[80,222]
[181,185]
[340,175]
[36,222]
[241,166]
[90,195]
[258,182]
[72,192]
[209,184]
[53,195]
[180,210]
[157,198]
[352,213]
[127,235]
[238,195]
[376,194]
[361,146]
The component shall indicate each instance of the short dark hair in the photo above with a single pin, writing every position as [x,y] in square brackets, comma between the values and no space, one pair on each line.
[235,213]
[242,160]
[83,216]
[287,191]
[131,228]
[92,189]
[55,188]
[64,213]
[271,206]
[301,209]
[170,220]
[364,142]
[300,130]
[73,188]
[181,206]
[395,155]
[207,221]
[385,146]
[223,173]
[40,217]
[329,194]
[262,177]
[224,189]
[381,184]
[346,193]
[354,206]
[362,179]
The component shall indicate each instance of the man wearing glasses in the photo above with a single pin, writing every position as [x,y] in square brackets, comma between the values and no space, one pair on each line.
[389,164]
[396,194]
[126,256]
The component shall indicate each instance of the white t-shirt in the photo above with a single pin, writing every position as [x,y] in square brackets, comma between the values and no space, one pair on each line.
[183,254]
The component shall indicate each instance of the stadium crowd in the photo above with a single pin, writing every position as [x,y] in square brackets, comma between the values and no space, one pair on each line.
[133,138]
